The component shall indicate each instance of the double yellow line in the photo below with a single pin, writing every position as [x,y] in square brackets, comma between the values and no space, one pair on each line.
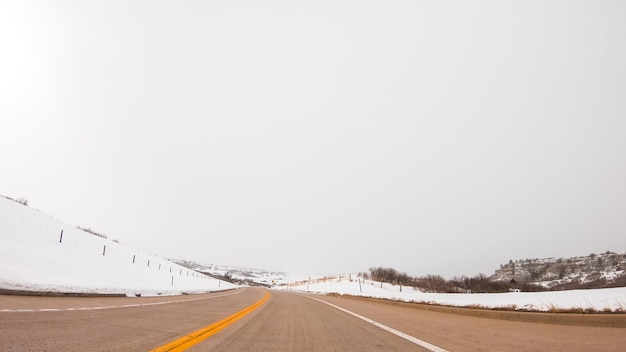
[196,337]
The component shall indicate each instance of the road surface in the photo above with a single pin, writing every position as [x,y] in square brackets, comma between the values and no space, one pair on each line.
[282,321]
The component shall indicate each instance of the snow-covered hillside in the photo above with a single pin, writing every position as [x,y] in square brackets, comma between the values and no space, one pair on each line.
[597,300]
[592,271]
[246,276]
[40,253]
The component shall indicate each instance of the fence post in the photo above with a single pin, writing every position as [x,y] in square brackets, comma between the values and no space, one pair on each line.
[104,250]
[61,239]
[133,259]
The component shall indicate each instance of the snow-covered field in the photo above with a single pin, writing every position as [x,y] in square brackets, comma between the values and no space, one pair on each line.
[34,257]
[598,300]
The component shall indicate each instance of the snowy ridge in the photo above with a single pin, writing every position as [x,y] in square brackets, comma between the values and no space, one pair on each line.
[592,271]
[245,276]
[35,257]
[597,300]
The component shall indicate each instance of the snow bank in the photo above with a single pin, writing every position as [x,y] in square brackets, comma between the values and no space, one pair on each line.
[599,300]
[35,257]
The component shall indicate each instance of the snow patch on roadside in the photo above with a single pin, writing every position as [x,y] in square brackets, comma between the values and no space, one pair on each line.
[597,300]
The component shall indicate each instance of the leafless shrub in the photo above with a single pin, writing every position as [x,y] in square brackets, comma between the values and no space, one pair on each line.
[22,201]
[86,229]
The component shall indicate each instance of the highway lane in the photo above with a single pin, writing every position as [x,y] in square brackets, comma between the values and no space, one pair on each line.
[292,322]
[286,322]
[111,324]
[456,332]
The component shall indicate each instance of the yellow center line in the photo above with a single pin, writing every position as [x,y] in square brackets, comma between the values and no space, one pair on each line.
[196,337]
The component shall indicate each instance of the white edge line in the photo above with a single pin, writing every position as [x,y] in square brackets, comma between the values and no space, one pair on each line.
[407,337]
[112,307]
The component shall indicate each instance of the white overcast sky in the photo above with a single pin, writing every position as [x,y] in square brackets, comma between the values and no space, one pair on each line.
[441,137]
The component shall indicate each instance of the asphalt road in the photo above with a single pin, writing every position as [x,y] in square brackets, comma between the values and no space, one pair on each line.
[285,322]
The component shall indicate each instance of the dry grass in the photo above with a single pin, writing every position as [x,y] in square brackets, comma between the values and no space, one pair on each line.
[615,319]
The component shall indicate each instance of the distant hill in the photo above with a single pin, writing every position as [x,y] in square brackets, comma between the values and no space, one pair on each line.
[592,271]
[245,276]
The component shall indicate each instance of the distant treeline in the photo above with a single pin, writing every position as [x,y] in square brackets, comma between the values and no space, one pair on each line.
[437,283]
[477,283]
